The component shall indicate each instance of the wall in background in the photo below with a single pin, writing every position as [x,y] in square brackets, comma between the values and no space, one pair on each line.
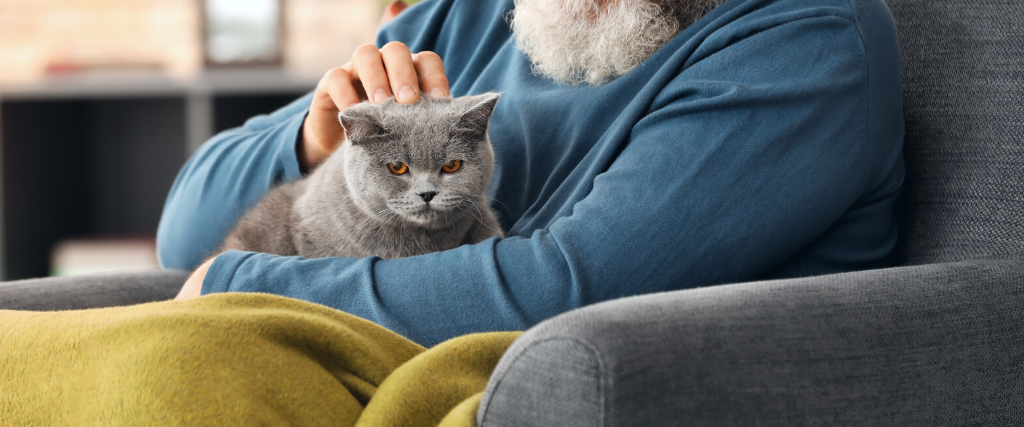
[40,38]
[322,34]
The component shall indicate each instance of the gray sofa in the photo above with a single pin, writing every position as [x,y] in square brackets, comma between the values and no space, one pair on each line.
[938,341]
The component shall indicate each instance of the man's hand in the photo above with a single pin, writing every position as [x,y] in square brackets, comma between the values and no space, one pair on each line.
[374,75]
[194,284]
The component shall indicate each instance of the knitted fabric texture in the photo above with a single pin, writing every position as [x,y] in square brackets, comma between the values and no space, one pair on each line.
[963,87]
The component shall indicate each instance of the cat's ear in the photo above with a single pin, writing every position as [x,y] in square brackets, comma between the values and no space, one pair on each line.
[361,125]
[473,123]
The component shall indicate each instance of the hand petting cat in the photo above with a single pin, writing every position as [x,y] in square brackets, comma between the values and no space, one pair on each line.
[372,75]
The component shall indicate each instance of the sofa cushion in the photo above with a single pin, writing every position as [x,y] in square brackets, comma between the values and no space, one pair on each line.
[963,84]
[931,345]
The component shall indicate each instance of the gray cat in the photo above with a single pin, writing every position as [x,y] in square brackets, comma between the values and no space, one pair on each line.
[409,180]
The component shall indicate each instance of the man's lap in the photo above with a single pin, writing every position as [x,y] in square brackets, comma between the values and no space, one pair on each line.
[234,358]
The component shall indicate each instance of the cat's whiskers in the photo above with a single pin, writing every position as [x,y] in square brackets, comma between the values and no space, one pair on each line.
[480,215]
[370,222]
[393,218]
[491,199]
[383,218]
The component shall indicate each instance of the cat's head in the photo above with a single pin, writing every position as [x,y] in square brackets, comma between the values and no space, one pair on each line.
[427,163]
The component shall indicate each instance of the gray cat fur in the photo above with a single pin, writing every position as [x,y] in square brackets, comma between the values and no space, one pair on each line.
[354,206]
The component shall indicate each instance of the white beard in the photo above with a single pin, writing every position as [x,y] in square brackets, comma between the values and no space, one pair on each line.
[594,41]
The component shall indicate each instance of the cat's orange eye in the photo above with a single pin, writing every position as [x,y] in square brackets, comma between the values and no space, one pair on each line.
[398,168]
[452,166]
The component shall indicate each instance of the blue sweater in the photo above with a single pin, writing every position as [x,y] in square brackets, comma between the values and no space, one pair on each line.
[763,141]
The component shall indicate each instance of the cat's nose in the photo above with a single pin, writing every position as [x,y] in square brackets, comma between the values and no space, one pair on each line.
[428,195]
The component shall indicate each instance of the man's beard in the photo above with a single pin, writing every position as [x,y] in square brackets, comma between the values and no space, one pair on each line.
[593,41]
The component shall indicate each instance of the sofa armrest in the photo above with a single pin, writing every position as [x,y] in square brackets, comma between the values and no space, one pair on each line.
[91,291]
[939,344]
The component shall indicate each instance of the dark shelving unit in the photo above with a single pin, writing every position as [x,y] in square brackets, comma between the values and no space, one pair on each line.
[96,155]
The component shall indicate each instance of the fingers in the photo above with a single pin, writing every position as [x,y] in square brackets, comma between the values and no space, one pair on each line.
[368,68]
[430,70]
[337,86]
[401,72]
[394,71]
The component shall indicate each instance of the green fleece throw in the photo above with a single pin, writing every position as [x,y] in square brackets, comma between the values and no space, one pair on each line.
[234,359]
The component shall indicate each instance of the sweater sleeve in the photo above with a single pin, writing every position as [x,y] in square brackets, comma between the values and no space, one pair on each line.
[744,157]
[223,179]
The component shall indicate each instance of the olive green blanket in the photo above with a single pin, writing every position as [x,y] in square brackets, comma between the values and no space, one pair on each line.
[234,359]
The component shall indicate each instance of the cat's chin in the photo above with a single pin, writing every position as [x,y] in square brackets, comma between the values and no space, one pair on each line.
[427,218]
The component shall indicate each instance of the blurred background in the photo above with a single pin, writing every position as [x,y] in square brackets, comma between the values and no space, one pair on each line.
[101,102]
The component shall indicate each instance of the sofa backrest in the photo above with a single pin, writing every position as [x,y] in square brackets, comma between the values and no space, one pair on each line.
[963,94]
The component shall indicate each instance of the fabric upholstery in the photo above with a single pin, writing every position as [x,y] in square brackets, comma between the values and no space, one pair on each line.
[963,84]
[928,345]
[91,291]
[565,385]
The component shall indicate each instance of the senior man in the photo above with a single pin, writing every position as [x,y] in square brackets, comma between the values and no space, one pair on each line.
[640,146]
